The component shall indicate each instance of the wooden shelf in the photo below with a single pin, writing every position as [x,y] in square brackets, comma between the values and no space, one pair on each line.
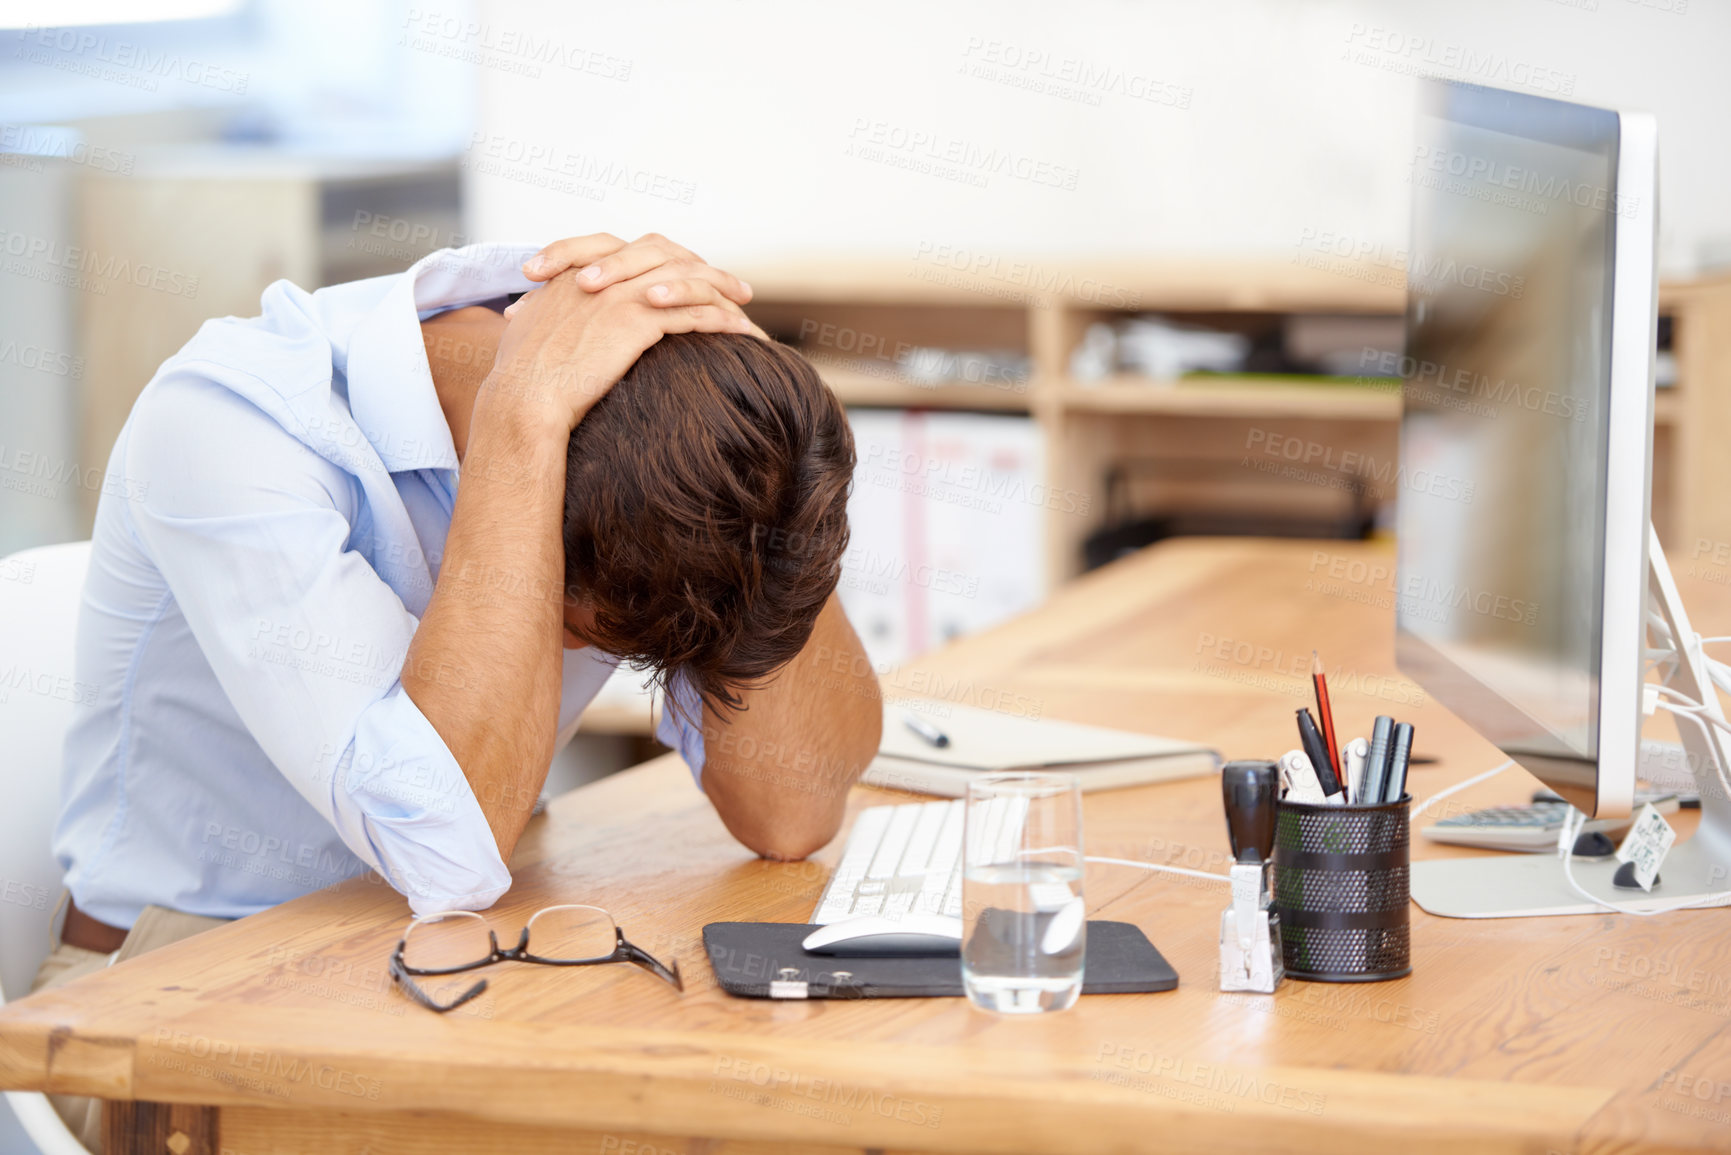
[855,312]
[1251,396]
[856,387]
[1674,295]
[1246,396]
[1667,406]
[616,717]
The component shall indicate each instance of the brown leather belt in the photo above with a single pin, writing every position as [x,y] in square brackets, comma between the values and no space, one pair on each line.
[87,933]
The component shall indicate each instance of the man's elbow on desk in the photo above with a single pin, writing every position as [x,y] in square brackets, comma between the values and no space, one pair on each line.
[785,799]
[778,772]
[780,813]
[797,838]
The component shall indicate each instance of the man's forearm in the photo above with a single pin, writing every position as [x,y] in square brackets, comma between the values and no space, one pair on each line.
[485,664]
[778,772]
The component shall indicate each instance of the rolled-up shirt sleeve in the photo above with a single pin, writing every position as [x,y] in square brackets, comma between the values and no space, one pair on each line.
[681,725]
[254,534]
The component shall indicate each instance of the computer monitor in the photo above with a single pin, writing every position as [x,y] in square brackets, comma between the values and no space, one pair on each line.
[1531,312]
[1525,553]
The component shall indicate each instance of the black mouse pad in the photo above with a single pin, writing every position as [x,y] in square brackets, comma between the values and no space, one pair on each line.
[764,960]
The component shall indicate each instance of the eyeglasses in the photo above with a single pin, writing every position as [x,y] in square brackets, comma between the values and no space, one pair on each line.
[564,936]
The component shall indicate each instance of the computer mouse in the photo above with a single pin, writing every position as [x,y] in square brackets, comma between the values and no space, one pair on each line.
[1064,928]
[910,936]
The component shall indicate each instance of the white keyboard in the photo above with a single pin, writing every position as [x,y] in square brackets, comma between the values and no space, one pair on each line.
[907,859]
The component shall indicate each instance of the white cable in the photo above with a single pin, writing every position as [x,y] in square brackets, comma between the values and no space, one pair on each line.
[1696,711]
[1679,695]
[1153,866]
[1689,707]
[1417,810]
[1571,828]
[1575,819]
[1458,787]
[1701,719]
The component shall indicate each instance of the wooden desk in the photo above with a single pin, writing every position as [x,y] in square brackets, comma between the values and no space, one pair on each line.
[282,1034]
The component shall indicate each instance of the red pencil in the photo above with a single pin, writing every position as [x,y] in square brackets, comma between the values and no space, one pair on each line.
[1325,716]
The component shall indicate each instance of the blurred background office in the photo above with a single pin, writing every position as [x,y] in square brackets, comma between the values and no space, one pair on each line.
[1088,274]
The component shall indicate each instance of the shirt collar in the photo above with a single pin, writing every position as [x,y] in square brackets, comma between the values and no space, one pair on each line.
[391,394]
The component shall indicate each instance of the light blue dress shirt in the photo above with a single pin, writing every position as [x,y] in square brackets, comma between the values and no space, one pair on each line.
[253,589]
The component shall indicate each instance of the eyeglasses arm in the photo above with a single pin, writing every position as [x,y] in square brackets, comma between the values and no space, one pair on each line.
[411,988]
[636,955]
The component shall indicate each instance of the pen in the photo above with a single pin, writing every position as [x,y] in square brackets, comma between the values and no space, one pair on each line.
[926,731]
[1325,715]
[1310,738]
[1400,753]
[1353,756]
[1376,762]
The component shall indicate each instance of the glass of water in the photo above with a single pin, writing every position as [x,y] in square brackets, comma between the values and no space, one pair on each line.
[1025,923]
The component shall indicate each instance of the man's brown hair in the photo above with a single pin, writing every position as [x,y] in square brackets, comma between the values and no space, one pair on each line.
[706,510]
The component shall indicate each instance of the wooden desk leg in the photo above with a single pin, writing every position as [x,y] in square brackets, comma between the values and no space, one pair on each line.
[130,1128]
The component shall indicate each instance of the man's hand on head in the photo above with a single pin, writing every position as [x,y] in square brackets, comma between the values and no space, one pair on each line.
[602,303]
[486,666]
[602,259]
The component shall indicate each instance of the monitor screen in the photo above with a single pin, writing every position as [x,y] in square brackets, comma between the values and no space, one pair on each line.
[1503,442]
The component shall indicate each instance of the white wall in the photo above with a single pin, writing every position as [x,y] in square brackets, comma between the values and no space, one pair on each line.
[1297,117]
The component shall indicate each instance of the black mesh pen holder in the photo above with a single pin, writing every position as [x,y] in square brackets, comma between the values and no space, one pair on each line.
[1341,887]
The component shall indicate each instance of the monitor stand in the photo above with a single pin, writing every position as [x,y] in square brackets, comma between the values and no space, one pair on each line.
[1528,885]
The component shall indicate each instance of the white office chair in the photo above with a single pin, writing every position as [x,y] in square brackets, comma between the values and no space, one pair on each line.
[39,596]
